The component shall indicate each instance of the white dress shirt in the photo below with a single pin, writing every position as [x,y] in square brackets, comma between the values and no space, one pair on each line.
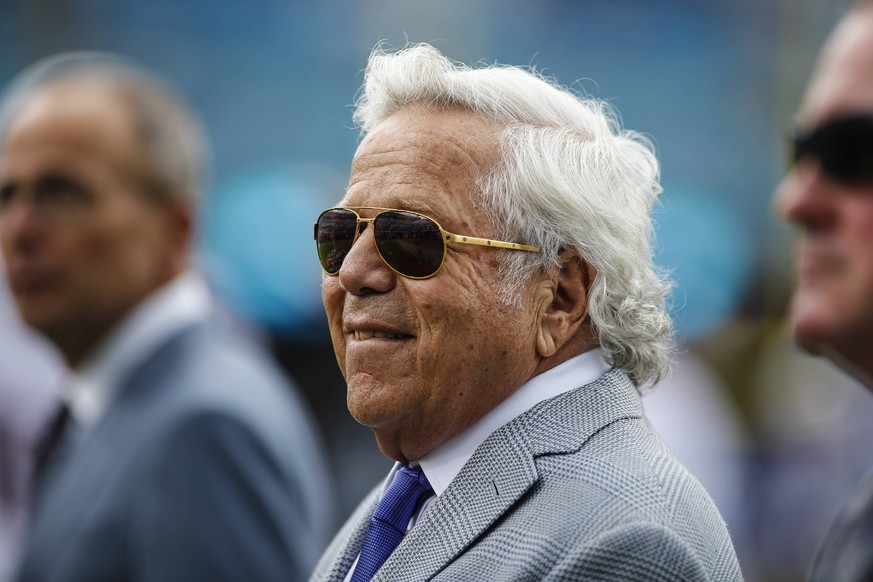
[178,304]
[442,464]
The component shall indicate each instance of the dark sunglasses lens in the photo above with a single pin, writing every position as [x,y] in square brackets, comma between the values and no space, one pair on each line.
[411,244]
[843,147]
[847,151]
[334,236]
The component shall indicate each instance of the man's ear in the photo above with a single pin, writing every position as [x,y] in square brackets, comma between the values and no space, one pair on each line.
[567,306]
[177,232]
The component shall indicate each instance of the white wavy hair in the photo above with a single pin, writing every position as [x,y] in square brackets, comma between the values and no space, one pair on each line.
[568,178]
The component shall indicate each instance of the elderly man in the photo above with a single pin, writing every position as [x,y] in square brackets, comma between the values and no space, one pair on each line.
[493,307]
[828,195]
[186,456]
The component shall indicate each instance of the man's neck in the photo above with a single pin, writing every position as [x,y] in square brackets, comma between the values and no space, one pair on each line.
[79,343]
[857,362]
[582,342]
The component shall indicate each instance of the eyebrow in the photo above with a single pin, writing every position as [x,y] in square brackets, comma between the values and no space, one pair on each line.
[420,206]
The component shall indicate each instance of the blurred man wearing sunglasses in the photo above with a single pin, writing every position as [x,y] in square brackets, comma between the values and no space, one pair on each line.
[182,453]
[494,310]
[828,196]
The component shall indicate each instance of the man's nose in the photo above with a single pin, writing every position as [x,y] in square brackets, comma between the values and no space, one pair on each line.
[363,270]
[806,196]
[21,224]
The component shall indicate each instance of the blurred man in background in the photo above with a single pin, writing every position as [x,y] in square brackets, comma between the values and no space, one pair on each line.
[500,367]
[181,453]
[828,196]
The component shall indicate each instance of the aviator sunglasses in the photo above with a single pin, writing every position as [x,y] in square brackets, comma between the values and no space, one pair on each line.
[411,244]
[843,147]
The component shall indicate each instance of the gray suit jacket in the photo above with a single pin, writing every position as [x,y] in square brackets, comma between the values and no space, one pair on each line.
[577,488]
[204,468]
[846,553]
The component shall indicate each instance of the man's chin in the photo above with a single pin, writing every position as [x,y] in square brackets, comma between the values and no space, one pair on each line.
[38,315]
[810,335]
[835,343]
[44,316]
[813,322]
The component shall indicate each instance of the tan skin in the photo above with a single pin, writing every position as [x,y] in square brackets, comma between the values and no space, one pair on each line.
[460,351]
[832,309]
[82,240]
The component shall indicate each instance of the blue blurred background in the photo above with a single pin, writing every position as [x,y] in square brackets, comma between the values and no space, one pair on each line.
[714,84]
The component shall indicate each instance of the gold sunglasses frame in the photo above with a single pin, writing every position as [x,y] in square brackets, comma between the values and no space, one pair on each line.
[447,237]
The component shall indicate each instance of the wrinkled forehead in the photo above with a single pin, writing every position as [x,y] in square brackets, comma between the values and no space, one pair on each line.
[447,137]
[843,79]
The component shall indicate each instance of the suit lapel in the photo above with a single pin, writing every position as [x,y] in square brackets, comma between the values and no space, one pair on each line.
[502,471]
[84,467]
[115,428]
[340,555]
[485,489]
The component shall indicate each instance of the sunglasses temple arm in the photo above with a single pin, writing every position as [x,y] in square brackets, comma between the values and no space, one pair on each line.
[486,242]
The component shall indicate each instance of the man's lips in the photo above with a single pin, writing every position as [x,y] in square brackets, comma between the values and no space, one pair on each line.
[365,335]
[362,331]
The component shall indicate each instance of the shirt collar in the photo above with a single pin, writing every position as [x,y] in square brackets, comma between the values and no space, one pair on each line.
[183,301]
[443,464]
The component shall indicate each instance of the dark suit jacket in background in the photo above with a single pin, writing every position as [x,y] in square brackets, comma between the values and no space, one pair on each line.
[204,468]
[846,554]
[577,488]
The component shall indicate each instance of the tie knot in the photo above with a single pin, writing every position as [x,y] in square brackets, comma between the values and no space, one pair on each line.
[401,498]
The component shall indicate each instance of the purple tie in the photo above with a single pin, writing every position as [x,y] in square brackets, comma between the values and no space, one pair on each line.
[389,521]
